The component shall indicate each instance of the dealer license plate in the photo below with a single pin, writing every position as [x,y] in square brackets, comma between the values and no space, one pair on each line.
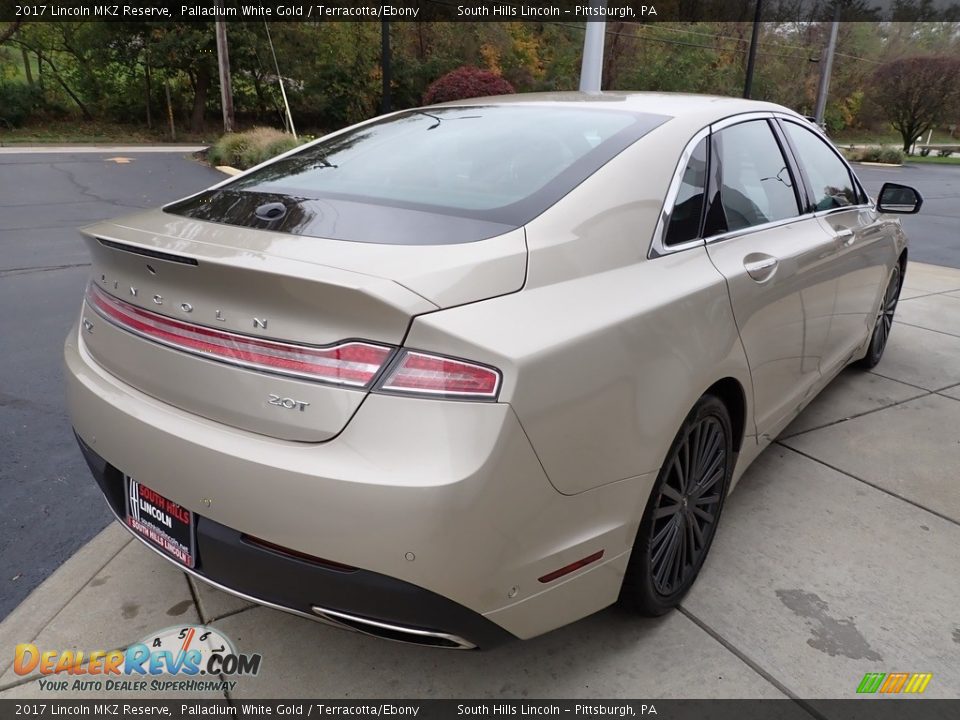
[161,522]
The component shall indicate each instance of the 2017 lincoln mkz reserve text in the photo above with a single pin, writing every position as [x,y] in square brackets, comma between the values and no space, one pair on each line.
[474,371]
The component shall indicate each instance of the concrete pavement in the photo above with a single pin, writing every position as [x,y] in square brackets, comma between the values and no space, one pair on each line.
[837,556]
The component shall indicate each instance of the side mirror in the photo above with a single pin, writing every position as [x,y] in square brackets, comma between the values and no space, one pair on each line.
[895,198]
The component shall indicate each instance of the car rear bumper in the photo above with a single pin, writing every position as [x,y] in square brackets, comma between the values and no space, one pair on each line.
[348,597]
[443,508]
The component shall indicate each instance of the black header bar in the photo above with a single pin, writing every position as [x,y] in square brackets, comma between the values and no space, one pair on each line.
[878,708]
[572,11]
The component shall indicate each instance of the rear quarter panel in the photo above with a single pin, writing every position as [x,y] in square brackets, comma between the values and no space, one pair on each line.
[604,352]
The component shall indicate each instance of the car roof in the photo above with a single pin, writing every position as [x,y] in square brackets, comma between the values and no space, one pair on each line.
[695,108]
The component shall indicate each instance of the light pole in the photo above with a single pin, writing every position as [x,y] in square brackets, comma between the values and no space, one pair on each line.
[826,68]
[591,67]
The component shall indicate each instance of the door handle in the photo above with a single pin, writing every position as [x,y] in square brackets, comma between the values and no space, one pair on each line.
[762,268]
[846,238]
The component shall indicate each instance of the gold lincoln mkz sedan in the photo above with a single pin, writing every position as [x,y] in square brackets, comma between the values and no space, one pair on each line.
[473,371]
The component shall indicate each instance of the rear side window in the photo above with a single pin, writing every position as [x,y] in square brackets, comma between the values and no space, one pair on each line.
[754,180]
[685,216]
[830,180]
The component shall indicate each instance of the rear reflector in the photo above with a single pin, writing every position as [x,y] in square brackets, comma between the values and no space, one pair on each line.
[353,363]
[567,569]
[417,373]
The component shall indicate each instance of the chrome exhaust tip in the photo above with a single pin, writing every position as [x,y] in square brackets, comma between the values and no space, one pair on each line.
[389,631]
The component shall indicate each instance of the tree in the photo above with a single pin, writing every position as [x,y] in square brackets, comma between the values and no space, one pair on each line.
[917,93]
[466,82]
[10,28]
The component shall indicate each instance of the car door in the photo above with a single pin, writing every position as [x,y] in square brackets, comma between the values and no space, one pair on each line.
[777,263]
[863,252]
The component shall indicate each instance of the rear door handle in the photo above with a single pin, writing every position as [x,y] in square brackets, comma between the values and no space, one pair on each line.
[761,268]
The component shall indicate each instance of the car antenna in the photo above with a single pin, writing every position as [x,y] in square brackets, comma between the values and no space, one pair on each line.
[434,117]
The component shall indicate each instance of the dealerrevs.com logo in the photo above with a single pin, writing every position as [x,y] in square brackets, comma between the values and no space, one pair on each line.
[191,658]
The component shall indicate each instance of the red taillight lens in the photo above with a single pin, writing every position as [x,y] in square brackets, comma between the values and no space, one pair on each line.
[354,364]
[418,373]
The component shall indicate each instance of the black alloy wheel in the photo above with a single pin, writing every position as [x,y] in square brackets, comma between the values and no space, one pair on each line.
[884,322]
[684,509]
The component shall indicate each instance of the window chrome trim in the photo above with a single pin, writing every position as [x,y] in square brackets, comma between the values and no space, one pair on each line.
[741,118]
[739,232]
[836,151]
[837,210]
[658,247]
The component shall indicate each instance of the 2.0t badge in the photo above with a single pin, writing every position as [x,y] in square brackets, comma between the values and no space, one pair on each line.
[288,403]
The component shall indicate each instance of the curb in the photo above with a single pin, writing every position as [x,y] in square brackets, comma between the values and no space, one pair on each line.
[42,605]
[228,170]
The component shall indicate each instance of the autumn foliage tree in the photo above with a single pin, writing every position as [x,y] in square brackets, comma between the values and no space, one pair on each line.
[121,72]
[917,93]
[466,82]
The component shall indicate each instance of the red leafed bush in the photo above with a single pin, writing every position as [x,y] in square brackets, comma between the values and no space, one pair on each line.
[466,82]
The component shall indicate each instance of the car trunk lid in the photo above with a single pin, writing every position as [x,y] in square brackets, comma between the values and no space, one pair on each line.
[255,285]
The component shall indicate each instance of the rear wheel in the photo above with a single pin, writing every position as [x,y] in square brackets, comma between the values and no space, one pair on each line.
[884,321]
[681,517]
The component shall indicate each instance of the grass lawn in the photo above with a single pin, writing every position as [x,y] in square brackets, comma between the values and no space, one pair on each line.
[52,133]
[932,160]
[887,137]
[866,137]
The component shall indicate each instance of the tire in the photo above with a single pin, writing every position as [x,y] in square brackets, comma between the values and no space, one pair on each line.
[884,322]
[656,579]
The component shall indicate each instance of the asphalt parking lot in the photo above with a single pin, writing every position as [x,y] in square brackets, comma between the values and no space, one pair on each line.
[48,506]
[836,557]
[934,236]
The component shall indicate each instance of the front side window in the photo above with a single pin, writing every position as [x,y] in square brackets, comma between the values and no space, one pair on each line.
[830,180]
[754,183]
[685,216]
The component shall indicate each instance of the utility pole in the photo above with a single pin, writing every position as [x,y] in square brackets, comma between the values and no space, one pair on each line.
[166,88]
[591,67]
[385,66]
[826,67]
[752,55]
[223,61]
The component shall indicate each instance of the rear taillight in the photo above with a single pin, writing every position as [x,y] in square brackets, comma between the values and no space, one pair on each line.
[352,363]
[418,373]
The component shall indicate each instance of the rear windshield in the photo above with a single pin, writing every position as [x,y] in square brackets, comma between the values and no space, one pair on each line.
[501,165]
